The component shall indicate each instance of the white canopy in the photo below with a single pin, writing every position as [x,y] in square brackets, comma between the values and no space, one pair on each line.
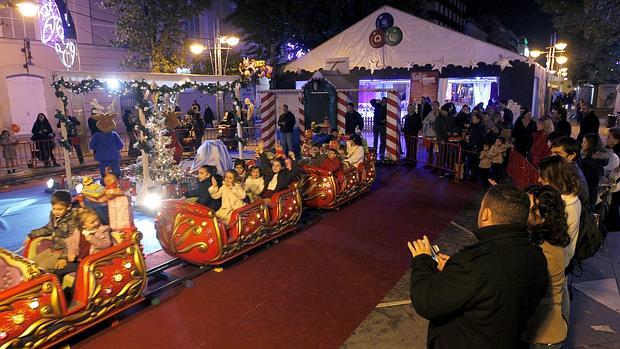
[423,43]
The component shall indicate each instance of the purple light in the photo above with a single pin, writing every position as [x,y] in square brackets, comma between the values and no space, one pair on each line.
[294,51]
[50,24]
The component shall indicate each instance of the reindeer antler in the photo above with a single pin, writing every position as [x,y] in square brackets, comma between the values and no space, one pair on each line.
[95,104]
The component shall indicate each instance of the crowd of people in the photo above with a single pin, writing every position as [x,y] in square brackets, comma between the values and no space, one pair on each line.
[511,288]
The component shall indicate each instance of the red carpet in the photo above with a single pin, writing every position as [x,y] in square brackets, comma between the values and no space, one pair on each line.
[311,290]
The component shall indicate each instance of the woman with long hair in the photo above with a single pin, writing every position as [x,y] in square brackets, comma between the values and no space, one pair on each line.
[540,148]
[557,172]
[43,137]
[549,230]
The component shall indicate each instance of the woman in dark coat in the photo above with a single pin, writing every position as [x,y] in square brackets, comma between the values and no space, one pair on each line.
[593,160]
[523,133]
[43,137]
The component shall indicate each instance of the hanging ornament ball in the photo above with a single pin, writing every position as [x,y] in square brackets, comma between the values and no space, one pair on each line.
[15,128]
[384,21]
[393,36]
[377,38]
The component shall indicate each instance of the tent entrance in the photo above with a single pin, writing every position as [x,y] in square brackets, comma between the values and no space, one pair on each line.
[470,91]
[319,110]
[368,91]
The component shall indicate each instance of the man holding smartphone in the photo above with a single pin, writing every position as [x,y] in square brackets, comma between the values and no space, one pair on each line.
[482,296]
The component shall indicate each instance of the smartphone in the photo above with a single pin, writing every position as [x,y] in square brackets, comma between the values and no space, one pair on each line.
[434,252]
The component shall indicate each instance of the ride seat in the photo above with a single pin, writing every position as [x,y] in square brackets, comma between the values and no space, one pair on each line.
[15,269]
[246,220]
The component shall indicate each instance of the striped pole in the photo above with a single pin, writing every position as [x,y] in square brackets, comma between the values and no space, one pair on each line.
[343,100]
[268,119]
[301,118]
[393,117]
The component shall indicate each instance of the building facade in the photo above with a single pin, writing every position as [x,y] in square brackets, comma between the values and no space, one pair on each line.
[25,92]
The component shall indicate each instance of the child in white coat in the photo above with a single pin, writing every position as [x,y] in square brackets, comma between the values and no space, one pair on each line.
[231,193]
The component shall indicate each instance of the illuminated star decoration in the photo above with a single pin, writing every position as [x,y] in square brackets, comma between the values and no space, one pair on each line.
[409,65]
[439,64]
[374,64]
[473,64]
[503,62]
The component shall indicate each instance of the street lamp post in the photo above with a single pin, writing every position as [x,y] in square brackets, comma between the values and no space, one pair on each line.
[555,59]
[221,42]
[216,49]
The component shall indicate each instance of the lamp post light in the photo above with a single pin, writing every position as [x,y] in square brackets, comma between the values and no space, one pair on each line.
[218,45]
[554,54]
[27,8]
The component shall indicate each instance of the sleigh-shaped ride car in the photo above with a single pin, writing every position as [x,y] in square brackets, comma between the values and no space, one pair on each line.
[34,312]
[327,190]
[192,232]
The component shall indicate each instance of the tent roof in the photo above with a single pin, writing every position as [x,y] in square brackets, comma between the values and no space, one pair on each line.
[159,78]
[423,43]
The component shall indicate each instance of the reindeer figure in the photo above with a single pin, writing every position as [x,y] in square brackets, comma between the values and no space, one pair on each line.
[106,144]
[171,121]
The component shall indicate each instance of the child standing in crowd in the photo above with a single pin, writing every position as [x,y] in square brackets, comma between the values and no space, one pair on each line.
[60,227]
[8,143]
[485,163]
[497,153]
[231,193]
[255,183]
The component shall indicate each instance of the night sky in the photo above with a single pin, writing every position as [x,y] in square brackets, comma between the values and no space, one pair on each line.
[524,17]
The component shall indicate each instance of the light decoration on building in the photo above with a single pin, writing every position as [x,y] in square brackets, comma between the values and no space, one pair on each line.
[53,33]
[294,51]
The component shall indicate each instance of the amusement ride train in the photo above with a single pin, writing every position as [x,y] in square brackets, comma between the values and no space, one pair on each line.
[36,313]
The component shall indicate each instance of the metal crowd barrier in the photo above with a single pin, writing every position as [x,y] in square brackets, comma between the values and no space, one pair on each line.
[522,172]
[35,154]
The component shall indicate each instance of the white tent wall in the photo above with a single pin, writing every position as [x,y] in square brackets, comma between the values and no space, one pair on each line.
[423,43]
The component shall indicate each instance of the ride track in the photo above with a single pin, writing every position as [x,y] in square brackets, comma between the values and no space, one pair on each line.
[35,314]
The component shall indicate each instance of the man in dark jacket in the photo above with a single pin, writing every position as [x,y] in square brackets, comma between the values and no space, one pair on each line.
[92,123]
[463,119]
[589,124]
[413,125]
[286,121]
[563,125]
[444,123]
[483,296]
[507,115]
[352,120]
[379,129]
[208,116]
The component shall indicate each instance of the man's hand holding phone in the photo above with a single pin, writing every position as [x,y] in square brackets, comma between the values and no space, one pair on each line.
[423,246]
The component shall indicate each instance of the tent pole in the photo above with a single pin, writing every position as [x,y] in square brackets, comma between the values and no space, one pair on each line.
[65,152]
[145,160]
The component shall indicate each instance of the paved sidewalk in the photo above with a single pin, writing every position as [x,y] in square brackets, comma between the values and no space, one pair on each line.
[595,309]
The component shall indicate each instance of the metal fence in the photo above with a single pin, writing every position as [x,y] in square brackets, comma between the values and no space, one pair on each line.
[522,172]
[45,153]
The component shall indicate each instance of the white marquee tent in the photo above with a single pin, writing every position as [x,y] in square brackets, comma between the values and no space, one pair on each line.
[423,43]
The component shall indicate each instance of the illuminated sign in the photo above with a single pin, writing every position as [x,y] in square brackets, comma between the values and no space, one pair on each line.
[53,26]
